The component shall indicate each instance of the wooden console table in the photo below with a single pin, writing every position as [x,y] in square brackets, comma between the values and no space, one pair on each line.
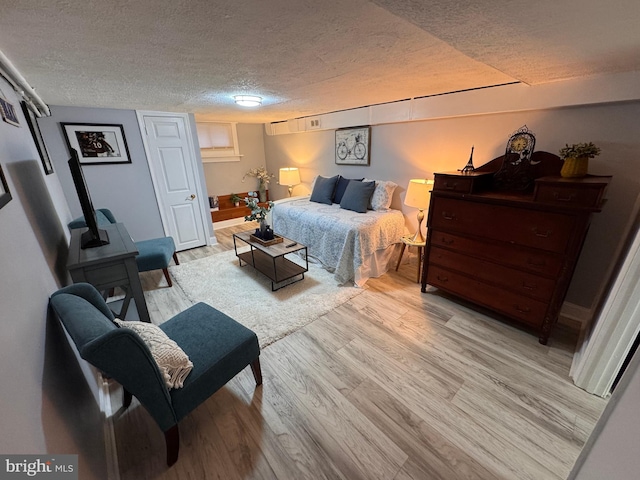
[227,209]
[109,266]
[511,252]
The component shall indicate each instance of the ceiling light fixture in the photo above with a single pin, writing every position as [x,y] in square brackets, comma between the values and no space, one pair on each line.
[248,100]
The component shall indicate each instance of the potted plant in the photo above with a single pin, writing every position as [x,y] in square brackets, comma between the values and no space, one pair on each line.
[235,199]
[263,177]
[576,159]
[259,214]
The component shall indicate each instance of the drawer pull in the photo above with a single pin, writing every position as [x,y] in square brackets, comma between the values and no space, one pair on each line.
[450,186]
[443,279]
[448,216]
[569,198]
[541,234]
[522,309]
[536,263]
[529,287]
[447,241]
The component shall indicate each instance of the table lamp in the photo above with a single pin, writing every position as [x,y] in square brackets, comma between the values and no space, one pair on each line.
[418,196]
[289,176]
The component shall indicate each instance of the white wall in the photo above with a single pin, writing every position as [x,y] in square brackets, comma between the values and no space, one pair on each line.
[224,178]
[46,405]
[126,189]
[612,449]
[401,151]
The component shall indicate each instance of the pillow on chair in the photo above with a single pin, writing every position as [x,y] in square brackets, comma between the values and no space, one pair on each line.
[173,363]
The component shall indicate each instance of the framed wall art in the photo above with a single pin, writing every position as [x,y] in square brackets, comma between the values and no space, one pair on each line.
[353,146]
[5,194]
[37,138]
[8,113]
[97,143]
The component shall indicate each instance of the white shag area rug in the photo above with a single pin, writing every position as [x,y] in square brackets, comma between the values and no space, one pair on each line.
[245,294]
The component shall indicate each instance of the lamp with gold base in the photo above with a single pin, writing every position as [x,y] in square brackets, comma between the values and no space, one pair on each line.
[418,196]
[289,176]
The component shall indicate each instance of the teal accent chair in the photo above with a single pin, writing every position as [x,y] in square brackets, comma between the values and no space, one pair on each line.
[218,346]
[154,254]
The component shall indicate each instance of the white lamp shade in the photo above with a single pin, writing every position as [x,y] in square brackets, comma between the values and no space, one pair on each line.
[289,176]
[418,193]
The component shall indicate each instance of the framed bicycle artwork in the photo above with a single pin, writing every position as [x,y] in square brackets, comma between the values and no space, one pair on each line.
[353,146]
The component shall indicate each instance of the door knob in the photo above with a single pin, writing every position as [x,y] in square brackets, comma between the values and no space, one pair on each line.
[191,197]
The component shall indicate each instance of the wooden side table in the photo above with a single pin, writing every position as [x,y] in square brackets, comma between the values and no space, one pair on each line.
[407,240]
[109,266]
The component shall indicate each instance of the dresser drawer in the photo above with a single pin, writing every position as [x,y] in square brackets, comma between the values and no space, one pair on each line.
[583,192]
[520,282]
[461,183]
[453,184]
[568,195]
[512,305]
[519,226]
[531,260]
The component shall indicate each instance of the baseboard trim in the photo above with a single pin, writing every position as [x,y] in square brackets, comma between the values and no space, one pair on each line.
[110,447]
[228,223]
[576,313]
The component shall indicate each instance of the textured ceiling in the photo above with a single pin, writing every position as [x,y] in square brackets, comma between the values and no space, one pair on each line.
[305,57]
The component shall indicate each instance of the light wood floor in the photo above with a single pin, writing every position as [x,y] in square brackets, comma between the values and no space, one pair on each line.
[394,384]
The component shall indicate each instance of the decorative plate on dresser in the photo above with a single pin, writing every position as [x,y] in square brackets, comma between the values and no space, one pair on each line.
[513,252]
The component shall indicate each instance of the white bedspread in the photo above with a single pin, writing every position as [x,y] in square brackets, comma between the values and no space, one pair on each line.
[353,245]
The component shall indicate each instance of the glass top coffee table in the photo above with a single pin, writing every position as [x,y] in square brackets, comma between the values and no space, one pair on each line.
[271,260]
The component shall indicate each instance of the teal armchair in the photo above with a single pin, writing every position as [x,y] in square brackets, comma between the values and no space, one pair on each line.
[153,254]
[218,346]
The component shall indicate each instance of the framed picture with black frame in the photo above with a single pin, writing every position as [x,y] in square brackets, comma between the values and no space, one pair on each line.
[37,138]
[5,194]
[97,143]
[353,146]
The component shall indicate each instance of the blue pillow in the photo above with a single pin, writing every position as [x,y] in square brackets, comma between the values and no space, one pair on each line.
[357,196]
[323,190]
[341,186]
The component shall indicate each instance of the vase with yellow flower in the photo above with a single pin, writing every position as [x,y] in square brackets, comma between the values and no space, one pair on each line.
[576,159]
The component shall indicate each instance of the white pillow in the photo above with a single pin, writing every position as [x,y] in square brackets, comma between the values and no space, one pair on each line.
[382,195]
[173,363]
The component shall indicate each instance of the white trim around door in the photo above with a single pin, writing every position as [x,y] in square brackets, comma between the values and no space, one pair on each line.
[198,225]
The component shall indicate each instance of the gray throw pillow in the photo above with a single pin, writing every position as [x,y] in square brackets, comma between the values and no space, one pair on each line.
[341,186]
[323,190]
[357,196]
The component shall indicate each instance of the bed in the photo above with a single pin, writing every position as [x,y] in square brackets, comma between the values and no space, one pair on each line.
[354,246]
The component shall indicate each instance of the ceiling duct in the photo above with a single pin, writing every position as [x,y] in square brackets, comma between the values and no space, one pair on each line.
[20,85]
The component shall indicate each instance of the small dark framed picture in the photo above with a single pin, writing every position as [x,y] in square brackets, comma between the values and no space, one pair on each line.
[353,146]
[5,194]
[37,138]
[97,143]
[8,113]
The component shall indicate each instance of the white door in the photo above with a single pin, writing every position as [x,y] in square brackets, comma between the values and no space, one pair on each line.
[173,168]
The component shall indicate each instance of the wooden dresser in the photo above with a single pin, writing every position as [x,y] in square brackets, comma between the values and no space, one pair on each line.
[511,252]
